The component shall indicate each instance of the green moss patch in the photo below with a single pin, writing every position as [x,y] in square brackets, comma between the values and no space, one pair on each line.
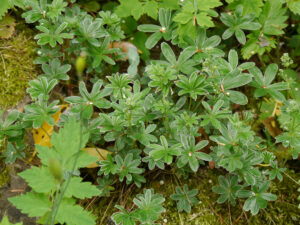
[16,66]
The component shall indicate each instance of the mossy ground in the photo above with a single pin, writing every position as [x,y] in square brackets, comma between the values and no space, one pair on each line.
[16,70]
[4,174]
[16,66]
[284,211]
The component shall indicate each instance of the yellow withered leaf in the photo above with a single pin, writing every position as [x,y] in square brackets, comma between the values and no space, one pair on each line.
[42,135]
[100,153]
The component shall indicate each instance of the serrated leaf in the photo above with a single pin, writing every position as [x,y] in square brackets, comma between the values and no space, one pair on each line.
[33,204]
[294,6]
[5,6]
[249,6]
[69,213]
[123,217]
[273,18]
[64,142]
[80,189]
[40,179]
[203,20]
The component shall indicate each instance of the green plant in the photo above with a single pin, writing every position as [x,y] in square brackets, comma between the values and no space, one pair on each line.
[195,13]
[54,185]
[9,4]
[238,23]
[263,83]
[149,208]
[137,8]
[196,99]
[190,153]
[185,198]
[257,198]
[162,31]
[228,189]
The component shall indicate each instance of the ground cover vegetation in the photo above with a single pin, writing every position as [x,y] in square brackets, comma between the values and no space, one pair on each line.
[129,90]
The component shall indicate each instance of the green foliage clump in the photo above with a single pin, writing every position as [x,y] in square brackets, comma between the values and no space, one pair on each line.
[195,101]
[54,186]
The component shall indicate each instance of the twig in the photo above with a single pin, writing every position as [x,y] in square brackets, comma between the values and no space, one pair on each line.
[90,203]
[229,212]
[291,178]
[244,214]
[4,66]
[108,207]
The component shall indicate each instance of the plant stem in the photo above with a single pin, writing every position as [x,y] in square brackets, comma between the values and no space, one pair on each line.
[60,195]
[291,178]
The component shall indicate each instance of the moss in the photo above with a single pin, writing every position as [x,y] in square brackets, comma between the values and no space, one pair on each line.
[4,175]
[16,66]
[283,211]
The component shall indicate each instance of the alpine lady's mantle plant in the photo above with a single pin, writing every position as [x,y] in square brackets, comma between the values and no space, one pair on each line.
[151,117]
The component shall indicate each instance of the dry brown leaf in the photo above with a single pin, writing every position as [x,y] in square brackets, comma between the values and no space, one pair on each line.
[100,153]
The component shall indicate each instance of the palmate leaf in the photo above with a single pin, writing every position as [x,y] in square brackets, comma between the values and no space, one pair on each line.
[51,35]
[5,6]
[123,217]
[80,189]
[42,86]
[238,23]
[257,198]
[273,18]
[203,18]
[190,153]
[264,84]
[193,86]
[66,142]
[54,70]
[227,189]
[128,166]
[294,6]
[137,8]
[143,135]
[69,213]
[185,198]
[163,151]
[165,30]
[33,204]
[250,6]
[149,206]
[39,179]
[149,209]
[184,64]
